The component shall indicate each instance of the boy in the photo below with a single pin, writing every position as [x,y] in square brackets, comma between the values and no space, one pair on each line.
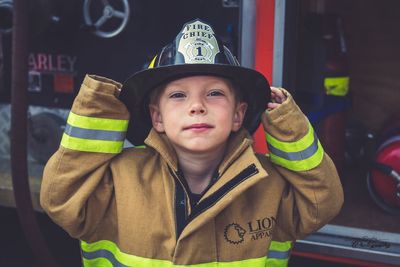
[197,194]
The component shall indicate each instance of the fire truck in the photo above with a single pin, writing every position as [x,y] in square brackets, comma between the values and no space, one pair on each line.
[340,60]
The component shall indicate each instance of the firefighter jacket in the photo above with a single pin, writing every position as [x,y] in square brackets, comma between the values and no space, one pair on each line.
[131,207]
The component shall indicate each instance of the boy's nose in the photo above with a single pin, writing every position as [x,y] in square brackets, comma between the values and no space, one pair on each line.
[197,109]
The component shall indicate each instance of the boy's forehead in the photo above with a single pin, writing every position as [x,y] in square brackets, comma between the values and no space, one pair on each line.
[203,79]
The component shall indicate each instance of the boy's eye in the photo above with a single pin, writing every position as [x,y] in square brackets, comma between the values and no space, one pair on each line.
[215,93]
[177,95]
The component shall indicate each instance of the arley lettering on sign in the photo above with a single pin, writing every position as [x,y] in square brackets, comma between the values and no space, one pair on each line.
[51,63]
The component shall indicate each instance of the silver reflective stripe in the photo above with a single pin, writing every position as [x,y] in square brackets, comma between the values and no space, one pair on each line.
[94,134]
[299,155]
[282,255]
[102,253]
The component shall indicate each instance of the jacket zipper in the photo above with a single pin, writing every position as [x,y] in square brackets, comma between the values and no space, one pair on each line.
[180,204]
[211,200]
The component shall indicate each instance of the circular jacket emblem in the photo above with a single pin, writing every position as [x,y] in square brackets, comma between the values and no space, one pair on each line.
[234,233]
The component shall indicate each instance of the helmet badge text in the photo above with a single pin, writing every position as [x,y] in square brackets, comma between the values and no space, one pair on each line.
[198,43]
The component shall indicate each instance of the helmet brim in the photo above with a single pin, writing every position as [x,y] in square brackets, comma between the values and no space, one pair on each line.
[137,88]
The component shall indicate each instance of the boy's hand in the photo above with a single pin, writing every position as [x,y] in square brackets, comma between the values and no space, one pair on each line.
[277,98]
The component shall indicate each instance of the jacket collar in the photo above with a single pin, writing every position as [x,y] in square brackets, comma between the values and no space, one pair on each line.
[239,155]
[237,143]
[240,166]
[161,144]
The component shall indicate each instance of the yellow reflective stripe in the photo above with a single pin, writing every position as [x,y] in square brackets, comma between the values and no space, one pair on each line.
[108,250]
[261,262]
[277,263]
[280,246]
[106,253]
[296,146]
[278,254]
[301,165]
[99,262]
[338,86]
[97,123]
[88,145]
[301,155]
[152,62]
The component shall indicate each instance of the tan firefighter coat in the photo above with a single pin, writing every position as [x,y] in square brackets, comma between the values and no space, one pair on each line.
[130,207]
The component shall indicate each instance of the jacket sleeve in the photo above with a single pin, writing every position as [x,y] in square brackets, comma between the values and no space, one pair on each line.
[314,194]
[77,185]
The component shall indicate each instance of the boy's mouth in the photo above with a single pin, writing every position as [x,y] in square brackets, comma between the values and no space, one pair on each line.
[198,126]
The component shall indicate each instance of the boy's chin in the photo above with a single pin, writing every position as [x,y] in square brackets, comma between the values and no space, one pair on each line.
[200,147]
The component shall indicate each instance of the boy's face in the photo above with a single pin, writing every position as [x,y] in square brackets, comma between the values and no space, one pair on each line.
[198,113]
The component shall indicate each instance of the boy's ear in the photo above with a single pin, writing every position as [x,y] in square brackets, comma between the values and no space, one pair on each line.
[239,116]
[156,118]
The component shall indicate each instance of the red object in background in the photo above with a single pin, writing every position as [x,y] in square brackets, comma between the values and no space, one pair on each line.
[385,185]
[331,134]
[264,55]
[383,180]
[388,153]
[63,83]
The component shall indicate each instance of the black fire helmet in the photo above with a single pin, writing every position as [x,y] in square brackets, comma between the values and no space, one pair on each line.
[196,50]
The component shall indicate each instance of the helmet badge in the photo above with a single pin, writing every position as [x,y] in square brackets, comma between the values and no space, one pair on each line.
[197,43]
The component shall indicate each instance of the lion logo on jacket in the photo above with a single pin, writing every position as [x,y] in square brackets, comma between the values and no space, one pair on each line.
[234,233]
